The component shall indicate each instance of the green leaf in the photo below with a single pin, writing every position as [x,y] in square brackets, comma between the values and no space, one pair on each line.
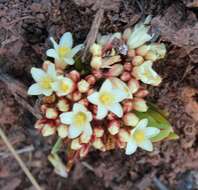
[57,146]
[162,135]
[172,136]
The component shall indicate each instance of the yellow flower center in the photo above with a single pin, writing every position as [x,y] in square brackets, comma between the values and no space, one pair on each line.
[64,87]
[46,82]
[139,136]
[80,118]
[106,98]
[63,51]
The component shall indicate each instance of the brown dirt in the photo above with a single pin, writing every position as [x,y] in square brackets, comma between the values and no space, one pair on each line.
[25,28]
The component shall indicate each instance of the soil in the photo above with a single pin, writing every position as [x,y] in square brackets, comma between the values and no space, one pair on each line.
[25,27]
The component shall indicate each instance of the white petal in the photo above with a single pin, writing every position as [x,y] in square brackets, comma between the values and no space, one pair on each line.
[89,116]
[93,98]
[151,132]
[116,109]
[37,74]
[88,130]
[69,61]
[66,40]
[142,124]
[106,86]
[74,131]
[131,147]
[146,145]
[54,43]
[101,112]
[120,95]
[66,118]
[51,71]
[76,49]
[77,107]
[35,89]
[55,86]
[47,92]
[52,53]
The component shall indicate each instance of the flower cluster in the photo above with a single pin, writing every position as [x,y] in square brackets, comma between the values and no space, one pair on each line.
[97,106]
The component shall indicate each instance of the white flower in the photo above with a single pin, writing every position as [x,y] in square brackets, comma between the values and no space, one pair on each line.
[146,74]
[43,80]
[63,86]
[78,120]
[117,83]
[140,137]
[63,52]
[107,99]
[138,36]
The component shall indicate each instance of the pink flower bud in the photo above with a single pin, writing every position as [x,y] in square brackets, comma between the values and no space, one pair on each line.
[62,130]
[133,85]
[75,144]
[76,96]
[131,53]
[126,76]
[48,130]
[96,62]
[127,106]
[140,105]
[90,79]
[84,138]
[63,105]
[51,113]
[84,101]
[97,73]
[142,93]
[84,151]
[130,119]
[83,86]
[90,91]
[111,116]
[74,75]
[40,124]
[121,144]
[128,66]
[123,135]
[115,70]
[98,144]
[137,60]
[98,131]
[142,50]
[113,127]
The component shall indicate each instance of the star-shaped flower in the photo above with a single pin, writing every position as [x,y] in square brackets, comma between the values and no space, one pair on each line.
[78,120]
[107,99]
[140,137]
[44,81]
[63,52]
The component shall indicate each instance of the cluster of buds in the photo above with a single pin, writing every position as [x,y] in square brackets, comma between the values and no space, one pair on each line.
[98,110]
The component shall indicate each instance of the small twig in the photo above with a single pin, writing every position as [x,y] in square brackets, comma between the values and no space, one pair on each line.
[92,35]
[88,166]
[19,160]
[20,151]
[19,91]
[159,184]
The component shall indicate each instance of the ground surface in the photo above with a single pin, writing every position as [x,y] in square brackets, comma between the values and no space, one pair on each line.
[25,27]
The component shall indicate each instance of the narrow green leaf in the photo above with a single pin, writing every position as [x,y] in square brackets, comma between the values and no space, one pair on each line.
[172,136]
[162,135]
[57,146]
